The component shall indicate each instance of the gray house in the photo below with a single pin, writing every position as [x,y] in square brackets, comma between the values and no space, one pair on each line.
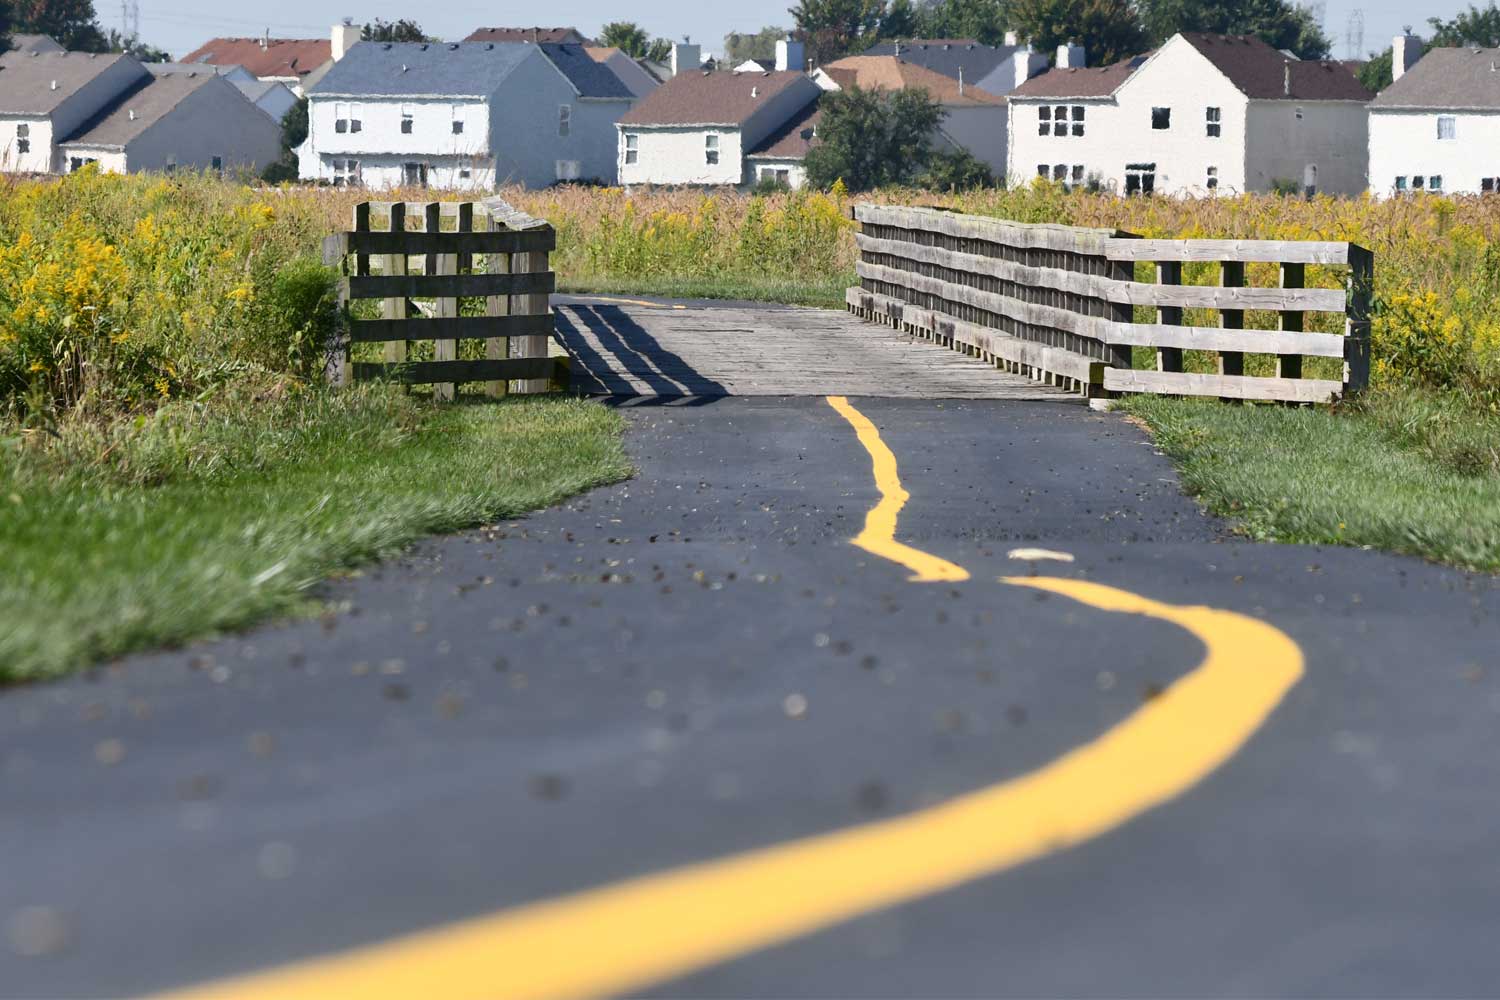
[463,115]
[176,121]
[47,96]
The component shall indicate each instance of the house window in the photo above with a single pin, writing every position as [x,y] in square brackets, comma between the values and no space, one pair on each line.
[76,163]
[171,164]
[464,173]
[1044,121]
[567,170]
[565,120]
[1447,127]
[345,173]
[408,119]
[1043,171]
[1161,118]
[458,126]
[1078,173]
[1078,119]
[1060,120]
[23,138]
[1140,178]
[711,149]
[1488,185]
[1435,182]
[414,174]
[632,148]
[1417,182]
[344,120]
[1213,178]
[1060,172]
[1401,183]
[1299,114]
[216,164]
[1214,122]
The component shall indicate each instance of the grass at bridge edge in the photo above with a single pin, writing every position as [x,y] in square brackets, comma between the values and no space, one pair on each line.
[248,512]
[1405,472]
[824,294]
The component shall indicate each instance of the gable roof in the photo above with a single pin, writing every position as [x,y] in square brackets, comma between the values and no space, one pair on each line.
[1079,81]
[413,69]
[1262,73]
[792,140]
[27,78]
[34,43]
[283,57]
[138,109]
[891,73]
[536,36]
[588,76]
[949,57]
[1447,78]
[711,98]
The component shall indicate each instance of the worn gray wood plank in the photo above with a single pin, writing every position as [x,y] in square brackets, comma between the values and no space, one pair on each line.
[1292,390]
[1244,251]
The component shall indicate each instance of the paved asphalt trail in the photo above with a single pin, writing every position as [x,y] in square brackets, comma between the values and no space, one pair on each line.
[698,663]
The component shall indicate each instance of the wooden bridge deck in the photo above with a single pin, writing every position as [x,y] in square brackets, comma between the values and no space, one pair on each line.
[626,347]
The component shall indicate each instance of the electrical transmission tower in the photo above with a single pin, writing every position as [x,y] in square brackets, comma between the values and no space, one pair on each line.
[1354,35]
[130,18]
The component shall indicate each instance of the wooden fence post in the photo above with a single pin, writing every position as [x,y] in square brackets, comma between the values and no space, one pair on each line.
[534,305]
[1360,292]
[395,308]
[497,348]
[1169,359]
[1292,276]
[445,307]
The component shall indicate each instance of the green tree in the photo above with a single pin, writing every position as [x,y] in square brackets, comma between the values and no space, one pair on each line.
[761,45]
[1468,27]
[403,30]
[1376,73]
[985,21]
[117,41]
[4,25]
[70,22]
[293,134]
[1109,30]
[834,28]
[901,20]
[872,138]
[1280,23]
[627,36]
[956,170]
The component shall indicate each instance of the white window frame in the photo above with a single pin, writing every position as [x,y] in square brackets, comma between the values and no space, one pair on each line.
[408,119]
[1212,179]
[23,138]
[458,120]
[345,172]
[1077,124]
[1044,120]
[564,120]
[1451,123]
[711,148]
[1213,122]
[632,148]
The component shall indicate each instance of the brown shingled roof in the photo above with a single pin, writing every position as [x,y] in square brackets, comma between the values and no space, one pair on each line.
[792,140]
[1263,73]
[892,73]
[538,36]
[1084,81]
[710,98]
[283,57]
[1447,78]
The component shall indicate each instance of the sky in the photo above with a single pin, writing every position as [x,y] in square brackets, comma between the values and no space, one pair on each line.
[179,26]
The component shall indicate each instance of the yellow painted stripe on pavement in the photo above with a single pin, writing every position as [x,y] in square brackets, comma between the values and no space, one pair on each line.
[879,535]
[625,936]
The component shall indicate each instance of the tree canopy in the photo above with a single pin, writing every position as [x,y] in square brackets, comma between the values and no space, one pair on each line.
[4,25]
[1109,30]
[761,45]
[1376,73]
[633,40]
[1474,26]
[985,21]
[1280,23]
[403,30]
[118,41]
[70,22]
[834,28]
[873,138]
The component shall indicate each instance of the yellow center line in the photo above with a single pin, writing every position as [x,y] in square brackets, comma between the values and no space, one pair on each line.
[626,936]
[879,535]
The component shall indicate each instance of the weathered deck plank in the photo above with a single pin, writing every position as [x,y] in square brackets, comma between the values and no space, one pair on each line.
[630,350]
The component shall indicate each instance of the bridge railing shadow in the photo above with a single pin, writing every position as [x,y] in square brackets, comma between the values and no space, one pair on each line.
[625,348]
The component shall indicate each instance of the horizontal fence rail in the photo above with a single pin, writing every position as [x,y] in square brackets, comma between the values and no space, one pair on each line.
[488,253]
[1059,303]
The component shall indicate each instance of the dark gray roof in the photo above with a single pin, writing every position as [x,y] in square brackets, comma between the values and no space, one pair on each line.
[26,78]
[411,69]
[588,76]
[139,108]
[34,43]
[1447,78]
[949,56]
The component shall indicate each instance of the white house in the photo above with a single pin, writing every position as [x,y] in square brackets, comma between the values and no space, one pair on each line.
[974,119]
[176,121]
[299,63]
[779,158]
[1437,126]
[1203,113]
[465,115]
[998,69]
[47,96]
[698,128]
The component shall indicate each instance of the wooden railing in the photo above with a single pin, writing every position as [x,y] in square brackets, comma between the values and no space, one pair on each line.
[462,251]
[1058,303]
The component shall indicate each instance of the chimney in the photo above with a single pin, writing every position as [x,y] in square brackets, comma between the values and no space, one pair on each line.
[960,81]
[1070,56]
[345,37]
[1406,49]
[791,54]
[686,57]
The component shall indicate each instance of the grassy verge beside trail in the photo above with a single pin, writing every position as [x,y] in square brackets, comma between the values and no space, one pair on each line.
[1410,472]
[211,516]
[822,293]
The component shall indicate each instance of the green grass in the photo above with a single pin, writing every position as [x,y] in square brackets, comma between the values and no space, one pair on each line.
[212,516]
[824,294]
[1407,472]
